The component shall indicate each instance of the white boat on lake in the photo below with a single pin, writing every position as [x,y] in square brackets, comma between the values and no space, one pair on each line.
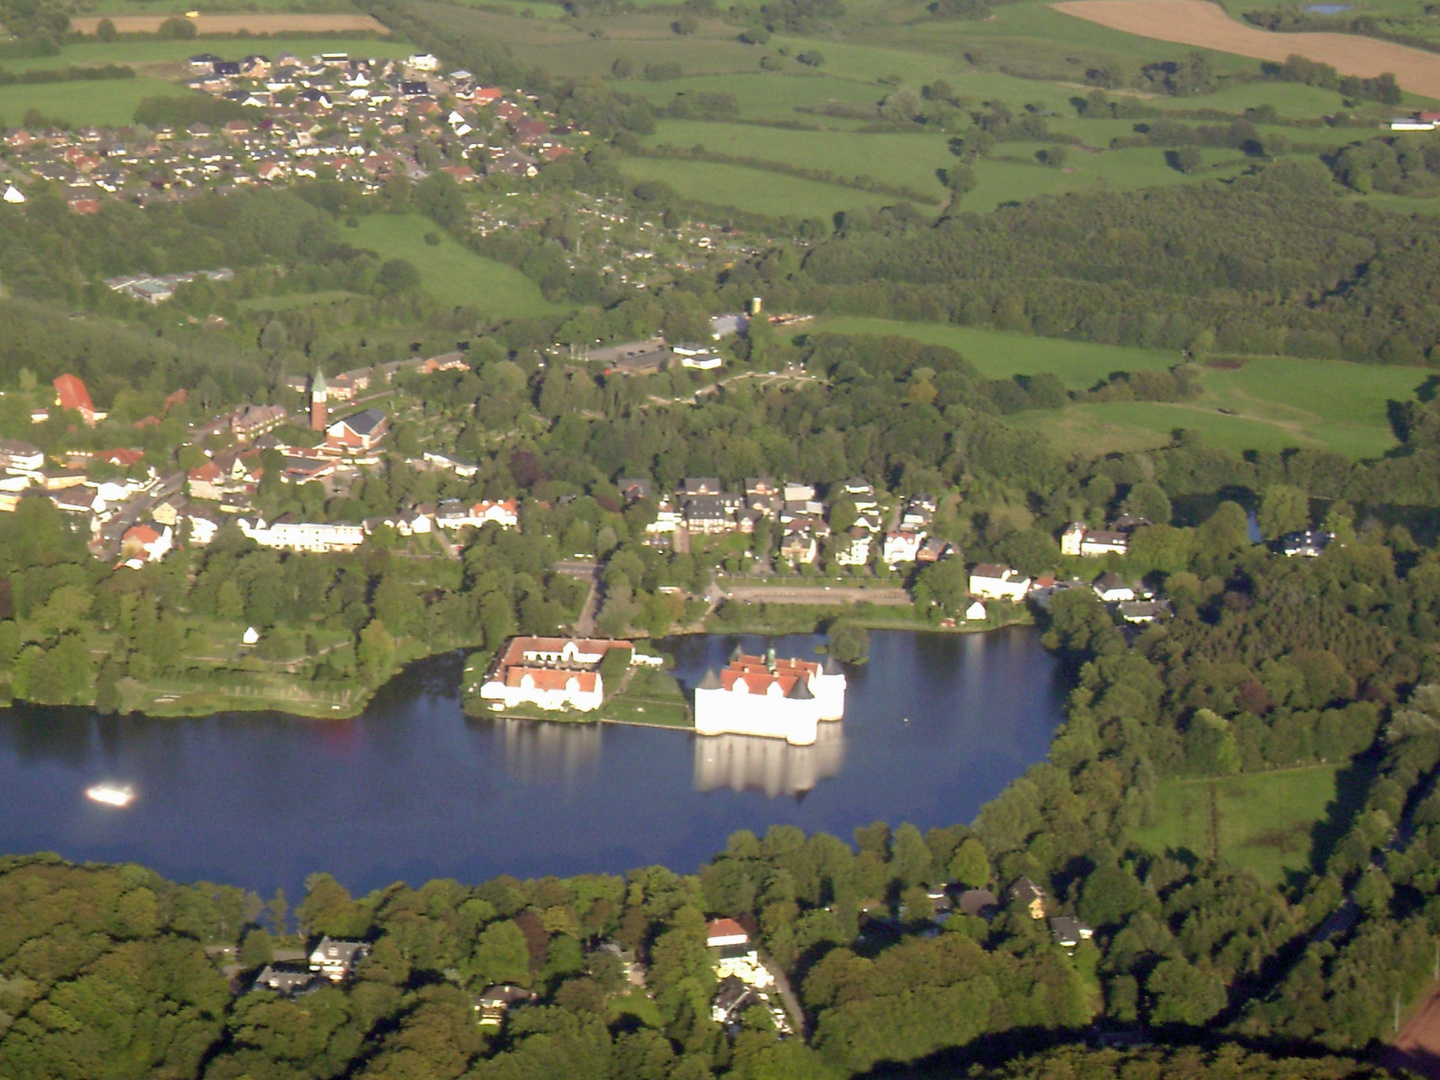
[111,794]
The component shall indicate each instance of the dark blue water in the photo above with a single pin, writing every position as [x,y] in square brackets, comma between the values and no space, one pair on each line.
[935,725]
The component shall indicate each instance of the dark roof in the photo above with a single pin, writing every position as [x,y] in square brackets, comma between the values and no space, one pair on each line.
[831,666]
[800,692]
[365,422]
[711,681]
[977,901]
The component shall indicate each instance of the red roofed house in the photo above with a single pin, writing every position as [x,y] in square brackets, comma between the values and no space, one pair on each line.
[722,932]
[141,543]
[550,673]
[70,393]
[121,457]
[486,95]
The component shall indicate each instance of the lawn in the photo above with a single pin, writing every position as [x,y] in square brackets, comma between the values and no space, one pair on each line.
[1272,404]
[751,190]
[649,697]
[765,95]
[999,355]
[110,103]
[1263,822]
[290,301]
[450,273]
[144,52]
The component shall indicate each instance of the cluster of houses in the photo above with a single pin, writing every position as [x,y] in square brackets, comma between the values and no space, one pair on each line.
[354,118]
[743,980]
[554,674]
[996,581]
[703,507]
[331,961]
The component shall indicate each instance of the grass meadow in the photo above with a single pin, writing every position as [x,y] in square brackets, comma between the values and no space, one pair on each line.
[145,53]
[108,103]
[450,273]
[1268,403]
[752,190]
[1262,822]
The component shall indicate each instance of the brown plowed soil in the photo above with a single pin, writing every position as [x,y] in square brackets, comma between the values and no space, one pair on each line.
[1197,22]
[254,22]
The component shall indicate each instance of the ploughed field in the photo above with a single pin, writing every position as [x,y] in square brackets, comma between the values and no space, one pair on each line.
[1197,22]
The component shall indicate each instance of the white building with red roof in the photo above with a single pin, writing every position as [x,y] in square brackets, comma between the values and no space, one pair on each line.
[773,698]
[70,393]
[550,673]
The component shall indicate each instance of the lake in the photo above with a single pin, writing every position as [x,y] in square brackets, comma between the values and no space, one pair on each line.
[935,725]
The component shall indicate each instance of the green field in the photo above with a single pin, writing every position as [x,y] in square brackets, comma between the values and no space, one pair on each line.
[142,53]
[1000,355]
[103,104]
[1263,821]
[1271,403]
[1274,403]
[751,190]
[648,697]
[450,273]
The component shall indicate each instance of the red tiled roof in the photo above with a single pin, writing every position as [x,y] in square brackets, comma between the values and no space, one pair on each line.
[551,678]
[724,928]
[71,393]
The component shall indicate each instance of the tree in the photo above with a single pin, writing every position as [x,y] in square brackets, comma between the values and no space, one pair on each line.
[685,25]
[500,956]
[1186,159]
[1283,509]
[1149,501]
[397,275]
[257,949]
[970,865]
[849,642]
[105,30]
[376,652]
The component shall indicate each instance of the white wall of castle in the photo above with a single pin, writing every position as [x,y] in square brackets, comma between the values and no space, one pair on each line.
[770,715]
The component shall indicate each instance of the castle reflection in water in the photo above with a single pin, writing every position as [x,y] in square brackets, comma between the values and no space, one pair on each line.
[546,754]
[753,763]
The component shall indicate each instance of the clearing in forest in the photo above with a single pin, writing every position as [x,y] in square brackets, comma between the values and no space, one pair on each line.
[1203,24]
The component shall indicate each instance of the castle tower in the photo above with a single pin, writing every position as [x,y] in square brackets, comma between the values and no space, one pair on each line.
[319,411]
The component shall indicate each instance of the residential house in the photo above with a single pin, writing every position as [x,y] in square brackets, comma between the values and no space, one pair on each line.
[708,514]
[975,612]
[1112,589]
[452,514]
[1070,539]
[853,547]
[206,481]
[981,903]
[700,485]
[634,487]
[287,980]
[495,1002]
[1098,542]
[22,457]
[792,492]
[1310,543]
[252,421]
[1145,611]
[860,493]
[303,535]
[1030,896]
[992,581]
[720,933]
[933,550]
[358,433]
[142,543]
[335,959]
[901,547]
[732,998]
[799,546]
[1069,931]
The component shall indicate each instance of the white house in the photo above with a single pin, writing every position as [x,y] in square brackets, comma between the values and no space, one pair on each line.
[12,194]
[1112,589]
[720,933]
[992,581]
[422,62]
[304,535]
[902,546]
[975,612]
[335,959]
[853,548]
[1098,542]
[505,513]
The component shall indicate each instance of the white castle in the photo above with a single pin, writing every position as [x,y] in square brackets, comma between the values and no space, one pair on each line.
[776,699]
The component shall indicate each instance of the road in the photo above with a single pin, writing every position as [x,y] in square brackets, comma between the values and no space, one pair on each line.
[803,594]
[587,572]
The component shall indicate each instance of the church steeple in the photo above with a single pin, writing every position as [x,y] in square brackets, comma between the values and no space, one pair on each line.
[319,410]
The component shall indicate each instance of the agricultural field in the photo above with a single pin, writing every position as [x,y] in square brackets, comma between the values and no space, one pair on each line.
[1271,403]
[270,22]
[450,273]
[751,190]
[1263,822]
[109,103]
[141,54]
